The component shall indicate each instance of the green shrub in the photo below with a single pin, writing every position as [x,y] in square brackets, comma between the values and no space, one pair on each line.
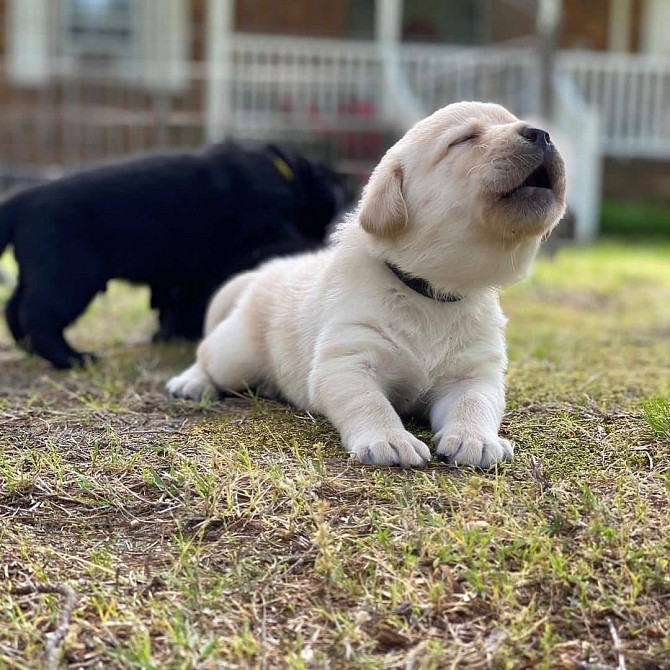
[635,218]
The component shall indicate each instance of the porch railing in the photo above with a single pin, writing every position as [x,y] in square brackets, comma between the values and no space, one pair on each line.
[343,100]
[281,87]
[632,96]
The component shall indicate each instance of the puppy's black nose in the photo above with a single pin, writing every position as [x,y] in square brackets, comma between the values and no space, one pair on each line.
[536,136]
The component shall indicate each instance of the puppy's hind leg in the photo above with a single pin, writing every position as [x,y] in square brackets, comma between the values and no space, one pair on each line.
[224,300]
[13,319]
[43,325]
[226,360]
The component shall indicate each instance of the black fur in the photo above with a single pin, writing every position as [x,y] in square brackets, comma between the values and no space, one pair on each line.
[181,223]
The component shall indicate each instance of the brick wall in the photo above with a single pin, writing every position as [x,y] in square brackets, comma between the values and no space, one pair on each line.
[327,18]
[637,180]
[585,24]
[636,24]
[509,23]
[198,16]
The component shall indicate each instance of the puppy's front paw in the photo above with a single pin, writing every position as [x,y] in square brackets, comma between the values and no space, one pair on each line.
[397,449]
[83,359]
[193,383]
[470,448]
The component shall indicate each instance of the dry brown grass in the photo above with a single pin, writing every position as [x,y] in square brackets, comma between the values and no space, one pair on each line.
[237,534]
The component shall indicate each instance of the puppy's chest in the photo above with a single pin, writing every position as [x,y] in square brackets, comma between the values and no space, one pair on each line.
[435,351]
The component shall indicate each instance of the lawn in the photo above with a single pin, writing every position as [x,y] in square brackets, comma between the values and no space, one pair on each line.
[237,534]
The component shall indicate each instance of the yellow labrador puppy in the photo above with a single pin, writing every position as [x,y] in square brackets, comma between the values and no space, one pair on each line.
[400,315]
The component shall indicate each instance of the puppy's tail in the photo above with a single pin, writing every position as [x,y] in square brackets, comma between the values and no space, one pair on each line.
[225,299]
[6,226]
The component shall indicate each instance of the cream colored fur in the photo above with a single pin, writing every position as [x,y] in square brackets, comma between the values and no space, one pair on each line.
[336,332]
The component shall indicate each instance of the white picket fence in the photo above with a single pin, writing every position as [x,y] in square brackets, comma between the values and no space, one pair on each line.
[346,100]
[632,96]
[300,83]
[278,86]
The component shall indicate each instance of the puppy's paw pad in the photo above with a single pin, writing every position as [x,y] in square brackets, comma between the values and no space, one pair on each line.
[193,384]
[472,449]
[398,449]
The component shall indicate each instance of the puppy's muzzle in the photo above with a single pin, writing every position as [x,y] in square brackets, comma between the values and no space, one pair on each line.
[545,175]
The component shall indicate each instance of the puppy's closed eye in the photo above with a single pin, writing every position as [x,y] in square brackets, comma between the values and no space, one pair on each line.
[466,138]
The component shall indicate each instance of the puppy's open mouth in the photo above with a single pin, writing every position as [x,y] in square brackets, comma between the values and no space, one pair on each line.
[537,179]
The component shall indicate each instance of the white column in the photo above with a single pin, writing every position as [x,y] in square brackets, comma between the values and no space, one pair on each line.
[655,22]
[388,21]
[29,53]
[166,38]
[399,106]
[618,38]
[547,25]
[220,20]
[388,26]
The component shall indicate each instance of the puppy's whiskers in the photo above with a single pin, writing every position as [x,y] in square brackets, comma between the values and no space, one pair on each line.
[513,262]
[478,167]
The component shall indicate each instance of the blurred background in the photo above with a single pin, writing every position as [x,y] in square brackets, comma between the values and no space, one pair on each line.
[84,81]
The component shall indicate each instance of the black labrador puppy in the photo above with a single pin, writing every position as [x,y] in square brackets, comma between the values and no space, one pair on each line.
[181,223]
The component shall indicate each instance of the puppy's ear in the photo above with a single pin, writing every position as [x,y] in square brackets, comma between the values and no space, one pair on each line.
[383,210]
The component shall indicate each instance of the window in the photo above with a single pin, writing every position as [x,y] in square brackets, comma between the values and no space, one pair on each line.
[445,21]
[99,29]
[78,34]
[316,18]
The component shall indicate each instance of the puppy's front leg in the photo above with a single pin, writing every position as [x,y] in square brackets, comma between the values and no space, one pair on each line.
[466,419]
[352,398]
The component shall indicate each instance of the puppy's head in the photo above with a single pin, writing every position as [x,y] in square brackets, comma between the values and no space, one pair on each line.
[320,193]
[471,187]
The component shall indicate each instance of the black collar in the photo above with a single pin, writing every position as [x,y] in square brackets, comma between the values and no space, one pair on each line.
[422,286]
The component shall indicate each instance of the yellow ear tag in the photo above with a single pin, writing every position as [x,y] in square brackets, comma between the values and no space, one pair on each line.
[284,168]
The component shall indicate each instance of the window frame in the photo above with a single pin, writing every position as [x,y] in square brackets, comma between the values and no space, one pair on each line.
[161,46]
[67,47]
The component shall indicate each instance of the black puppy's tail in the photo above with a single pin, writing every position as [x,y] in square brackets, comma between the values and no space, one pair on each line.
[6,225]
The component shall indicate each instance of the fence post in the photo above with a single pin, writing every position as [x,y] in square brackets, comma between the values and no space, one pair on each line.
[388,24]
[399,106]
[548,21]
[29,41]
[219,27]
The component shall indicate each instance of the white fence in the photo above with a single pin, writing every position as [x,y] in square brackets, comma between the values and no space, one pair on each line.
[343,100]
[578,133]
[299,84]
[508,76]
[348,93]
[632,96]
[631,93]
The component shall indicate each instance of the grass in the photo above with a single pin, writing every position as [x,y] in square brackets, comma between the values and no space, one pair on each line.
[657,413]
[236,534]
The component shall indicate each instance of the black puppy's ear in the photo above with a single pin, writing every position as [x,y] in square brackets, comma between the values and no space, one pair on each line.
[383,209]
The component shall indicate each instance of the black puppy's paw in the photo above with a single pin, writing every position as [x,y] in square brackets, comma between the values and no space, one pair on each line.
[80,360]
[161,335]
